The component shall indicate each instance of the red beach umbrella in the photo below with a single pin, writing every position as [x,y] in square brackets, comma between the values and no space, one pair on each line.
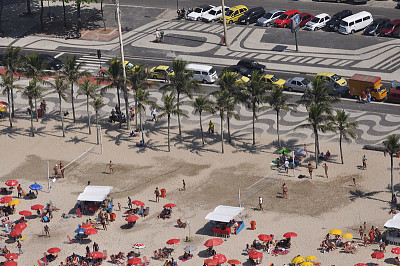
[53,250]
[96,254]
[255,254]
[211,262]
[220,258]
[265,237]
[10,263]
[361,264]
[135,261]
[25,213]
[20,226]
[169,205]
[11,183]
[173,241]
[396,250]
[3,104]
[213,242]
[91,231]
[15,232]
[37,207]
[289,235]
[377,255]
[138,203]
[233,262]
[11,256]
[5,199]
[131,219]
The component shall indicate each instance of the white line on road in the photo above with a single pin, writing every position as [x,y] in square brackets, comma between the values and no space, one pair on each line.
[60,54]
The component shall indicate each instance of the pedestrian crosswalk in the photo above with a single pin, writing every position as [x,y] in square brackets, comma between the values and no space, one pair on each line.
[92,64]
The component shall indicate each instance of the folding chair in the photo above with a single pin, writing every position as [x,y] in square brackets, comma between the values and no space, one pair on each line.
[44,259]
[70,241]
[141,211]
[78,212]
[145,260]
[104,254]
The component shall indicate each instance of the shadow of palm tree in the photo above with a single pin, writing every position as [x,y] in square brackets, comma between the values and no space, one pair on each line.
[358,194]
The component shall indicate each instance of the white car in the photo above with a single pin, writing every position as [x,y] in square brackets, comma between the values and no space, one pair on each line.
[318,22]
[198,11]
[214,14]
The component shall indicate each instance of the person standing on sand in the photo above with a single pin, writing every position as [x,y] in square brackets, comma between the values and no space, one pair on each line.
[184,184]
[310,169]
[284,188]
[55,171]
[361,231]
[354,182]
[110,166]
[157,192]
[119,206]
[129,203]
[19,246]
[364,162]
[19,189]
[47,230]
[286,166]
[326,170]
[62,169]
[260,202]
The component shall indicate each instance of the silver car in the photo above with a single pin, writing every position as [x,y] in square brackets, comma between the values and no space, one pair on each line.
[269,18]
[298,84]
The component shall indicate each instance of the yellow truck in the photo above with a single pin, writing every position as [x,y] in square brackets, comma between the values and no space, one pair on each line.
[360,83]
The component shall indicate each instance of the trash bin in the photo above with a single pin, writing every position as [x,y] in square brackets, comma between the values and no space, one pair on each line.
[39,112]
[163,192]
[253,225]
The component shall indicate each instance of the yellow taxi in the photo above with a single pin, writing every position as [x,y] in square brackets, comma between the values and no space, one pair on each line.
[240,78]
[234,13]
[272,79]
[159,72]
[333,77]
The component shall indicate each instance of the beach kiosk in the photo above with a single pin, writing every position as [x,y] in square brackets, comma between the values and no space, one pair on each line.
[93,197]
[393,230]
[223,221]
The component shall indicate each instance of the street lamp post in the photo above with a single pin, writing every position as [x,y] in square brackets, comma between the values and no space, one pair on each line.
[224,22]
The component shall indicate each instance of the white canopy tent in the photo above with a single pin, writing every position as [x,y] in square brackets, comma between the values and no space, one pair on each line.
[95,193]
[224,213]
[394,222]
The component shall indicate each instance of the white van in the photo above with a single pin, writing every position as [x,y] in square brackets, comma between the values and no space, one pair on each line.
[202,73]
[355,22]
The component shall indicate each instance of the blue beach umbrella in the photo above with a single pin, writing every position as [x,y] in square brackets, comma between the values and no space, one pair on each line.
[35,187]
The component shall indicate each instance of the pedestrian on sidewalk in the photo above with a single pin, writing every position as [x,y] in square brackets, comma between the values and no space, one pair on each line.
[260,202]
[154,114]
[166,78]
[162,35]
[158,35]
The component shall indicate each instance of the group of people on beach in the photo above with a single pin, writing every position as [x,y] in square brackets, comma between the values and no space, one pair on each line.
[59,168]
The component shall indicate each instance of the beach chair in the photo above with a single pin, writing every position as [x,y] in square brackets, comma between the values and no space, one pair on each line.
[44,259]
[145,260]
[141,210]
[104,254]
[78,212]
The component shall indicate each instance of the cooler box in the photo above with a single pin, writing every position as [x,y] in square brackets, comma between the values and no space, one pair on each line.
[163,192]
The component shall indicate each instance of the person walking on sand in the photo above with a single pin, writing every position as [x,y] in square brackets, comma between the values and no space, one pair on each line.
[260,202]
[184,184]
[286,166]
[157,192]
[19,246]
[310,169]
[129,203]
[326,170]
[111,167]
[62,169]
[284,188]
[47,230]
[364,162]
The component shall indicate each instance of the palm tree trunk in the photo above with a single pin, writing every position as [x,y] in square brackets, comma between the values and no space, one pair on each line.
[128,123]
[119,105]
[254,118]
[37,115]
[141,127]
[41,14]
[169,117]
[340,145]
[78,8]
[316,150]
[179,117]
[277,129]
[1,16]
[136,113]
[12,102]
[65,16]
[88,115]
[97,126]
[72,101]
[28,6]
[391,176]
[62,117]
[222,132]
[201,130]
[229,128]
[9,111]
[33,134]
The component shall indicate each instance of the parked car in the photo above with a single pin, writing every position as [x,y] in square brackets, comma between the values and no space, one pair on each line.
[318,22]
[234,13]
[251,65]
[376,26]
[398,5]
[251,15]
[396,33]
[240,69]
[269,18]
[304,18]
[298,84]
[159,72]
[51,62]
[240,78]
[391,27]
[283,21]
[333,77]
[394,96]
[334,23]
[198,12]
[337,1]
[355,22]
[272,79]
[341,91]
[202,73]
[214,14]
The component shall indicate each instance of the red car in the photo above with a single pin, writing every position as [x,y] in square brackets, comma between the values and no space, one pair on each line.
[283,21]
[304,18]
[391,27]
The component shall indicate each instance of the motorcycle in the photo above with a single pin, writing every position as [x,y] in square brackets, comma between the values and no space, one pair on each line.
[181,13]
[73,35]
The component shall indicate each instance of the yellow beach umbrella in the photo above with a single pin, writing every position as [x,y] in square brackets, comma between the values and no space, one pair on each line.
[307,263]
[14,202]
[335,232]
[3,109]
[347,236]
[310,258]
[298,260]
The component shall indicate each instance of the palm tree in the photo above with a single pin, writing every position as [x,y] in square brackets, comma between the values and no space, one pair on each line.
[340,123]
[142,98]
[317,120]
[7,82]
[97,105]
[34,67]
[12,61]
[60,87]
[253,95]
[73,70]
[201,104]
[88,89]
[231,103]
[223,98]
[181,83]
[169,108]
[392,146]
[33,91]
[277,101]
